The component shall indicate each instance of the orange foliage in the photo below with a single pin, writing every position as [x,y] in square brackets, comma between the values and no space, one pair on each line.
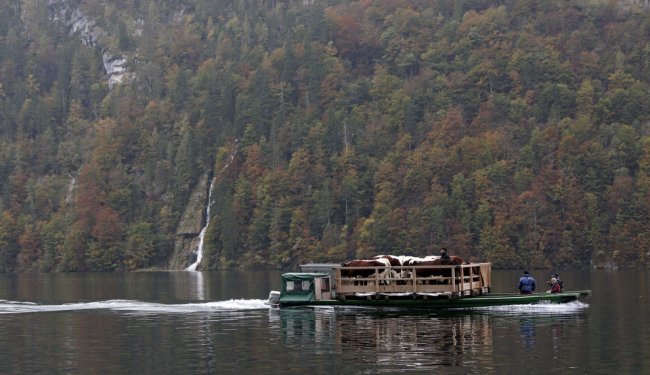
[108,227]
[29,248]
[89,197]
[620,191]
[450,129]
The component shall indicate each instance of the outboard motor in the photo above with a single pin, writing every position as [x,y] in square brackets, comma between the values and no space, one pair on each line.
[274,299]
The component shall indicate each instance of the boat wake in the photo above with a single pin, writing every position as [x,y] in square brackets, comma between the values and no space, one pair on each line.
[568,308]
[13,307]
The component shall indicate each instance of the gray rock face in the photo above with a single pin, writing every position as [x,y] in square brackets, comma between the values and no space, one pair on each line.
[115,64]
[192,220]
[190,225]
[116,69]
[183,248]
[77,21]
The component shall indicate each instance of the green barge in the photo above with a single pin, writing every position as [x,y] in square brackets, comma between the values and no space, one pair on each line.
[448,287]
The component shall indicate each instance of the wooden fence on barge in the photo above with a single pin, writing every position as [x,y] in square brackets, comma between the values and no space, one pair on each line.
[468,279]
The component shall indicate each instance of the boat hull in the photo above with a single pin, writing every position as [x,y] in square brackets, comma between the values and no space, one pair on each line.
[444,302]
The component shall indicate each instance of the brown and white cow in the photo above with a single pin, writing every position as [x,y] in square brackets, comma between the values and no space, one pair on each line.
[434,271]
[362,268]
[394,261]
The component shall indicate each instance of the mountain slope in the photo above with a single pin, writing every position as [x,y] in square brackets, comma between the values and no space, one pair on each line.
[509,131]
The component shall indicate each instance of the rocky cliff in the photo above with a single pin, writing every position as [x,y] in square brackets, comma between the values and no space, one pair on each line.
[190,226]
[115,64]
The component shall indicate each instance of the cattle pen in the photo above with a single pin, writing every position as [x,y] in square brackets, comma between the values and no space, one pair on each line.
[428,287]
[419,281]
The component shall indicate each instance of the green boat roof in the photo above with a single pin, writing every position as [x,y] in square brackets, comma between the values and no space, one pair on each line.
[303,276]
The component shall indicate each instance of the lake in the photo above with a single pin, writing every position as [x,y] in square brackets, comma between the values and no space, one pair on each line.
[217,323]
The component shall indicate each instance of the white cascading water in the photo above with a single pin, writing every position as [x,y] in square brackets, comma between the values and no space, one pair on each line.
[199,250]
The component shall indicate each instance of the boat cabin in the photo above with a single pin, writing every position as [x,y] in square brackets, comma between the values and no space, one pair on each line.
[305,287]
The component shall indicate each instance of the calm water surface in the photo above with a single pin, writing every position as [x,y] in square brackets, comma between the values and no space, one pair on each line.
[216,323]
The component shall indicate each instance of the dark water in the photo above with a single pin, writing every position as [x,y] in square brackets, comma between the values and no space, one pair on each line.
[216,323]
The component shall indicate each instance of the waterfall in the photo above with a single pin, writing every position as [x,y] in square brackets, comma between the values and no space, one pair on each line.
[199,250]
[71,185]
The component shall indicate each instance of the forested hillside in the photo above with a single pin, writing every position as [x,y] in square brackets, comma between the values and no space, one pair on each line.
[512,131]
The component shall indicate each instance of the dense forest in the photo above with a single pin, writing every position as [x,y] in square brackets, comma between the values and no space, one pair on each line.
[509,131]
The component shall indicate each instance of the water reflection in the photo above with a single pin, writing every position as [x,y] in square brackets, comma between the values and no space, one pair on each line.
[420,340]
[527,333]
[300,326]
[423,341]
[197,285]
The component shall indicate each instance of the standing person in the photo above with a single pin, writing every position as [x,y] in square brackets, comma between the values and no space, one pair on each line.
[526,284]
[443,255]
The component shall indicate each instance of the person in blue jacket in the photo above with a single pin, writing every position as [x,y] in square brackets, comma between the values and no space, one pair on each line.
[526,284]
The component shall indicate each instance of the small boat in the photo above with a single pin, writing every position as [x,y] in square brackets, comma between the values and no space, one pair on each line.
[444,287]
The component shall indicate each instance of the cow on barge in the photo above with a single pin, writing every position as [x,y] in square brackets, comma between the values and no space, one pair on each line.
[414,283]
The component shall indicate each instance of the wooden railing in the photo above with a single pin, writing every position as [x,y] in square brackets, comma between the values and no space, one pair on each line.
[454,280]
